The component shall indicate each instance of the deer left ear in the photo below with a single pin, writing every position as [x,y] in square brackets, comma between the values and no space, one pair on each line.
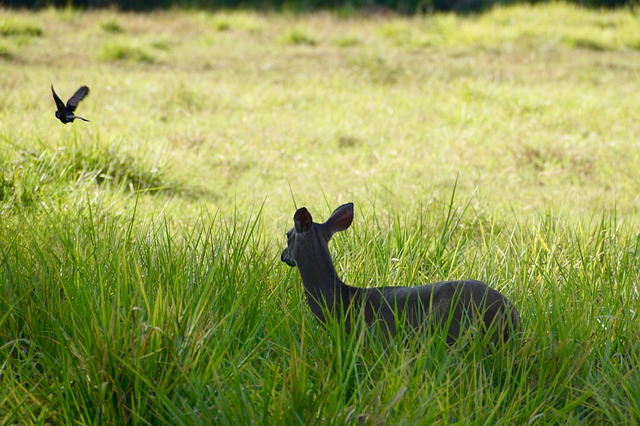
[302,220]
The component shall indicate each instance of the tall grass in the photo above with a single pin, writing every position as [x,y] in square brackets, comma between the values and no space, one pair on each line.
[130,320]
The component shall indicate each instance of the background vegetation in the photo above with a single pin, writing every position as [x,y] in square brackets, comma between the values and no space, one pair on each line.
[139,253]
[402,6]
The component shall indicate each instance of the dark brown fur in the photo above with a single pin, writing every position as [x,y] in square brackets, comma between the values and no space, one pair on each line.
[454,305]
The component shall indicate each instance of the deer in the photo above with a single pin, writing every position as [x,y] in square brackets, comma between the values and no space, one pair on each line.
[452,306]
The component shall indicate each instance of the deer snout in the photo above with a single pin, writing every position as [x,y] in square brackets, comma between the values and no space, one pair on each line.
[287,258]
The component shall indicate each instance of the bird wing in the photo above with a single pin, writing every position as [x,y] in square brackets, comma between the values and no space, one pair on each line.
[80,94]
[56,98]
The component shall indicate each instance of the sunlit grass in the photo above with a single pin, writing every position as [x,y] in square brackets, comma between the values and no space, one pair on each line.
[18,27]
[119,51]
[139,252]
[297,36]
[112,25]
[143,319]
[532,110]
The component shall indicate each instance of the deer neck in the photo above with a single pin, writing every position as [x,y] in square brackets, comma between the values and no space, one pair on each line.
[323,286]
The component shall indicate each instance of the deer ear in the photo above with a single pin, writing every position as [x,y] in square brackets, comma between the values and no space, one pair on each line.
[340,219]
[302,220]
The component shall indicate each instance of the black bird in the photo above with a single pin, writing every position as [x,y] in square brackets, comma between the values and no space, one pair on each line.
[65,112]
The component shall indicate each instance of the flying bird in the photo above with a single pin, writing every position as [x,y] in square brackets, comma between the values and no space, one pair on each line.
[65,112]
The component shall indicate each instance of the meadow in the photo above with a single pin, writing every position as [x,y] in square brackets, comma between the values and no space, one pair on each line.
[140,252]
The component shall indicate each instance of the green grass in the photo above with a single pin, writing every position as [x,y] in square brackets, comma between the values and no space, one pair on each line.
[118,51]
[112,25]
[17,28]
[5,52]
[139,253]
[296,36]
[111,319]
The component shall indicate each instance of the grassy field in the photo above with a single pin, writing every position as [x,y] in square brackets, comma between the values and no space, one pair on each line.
[139,253]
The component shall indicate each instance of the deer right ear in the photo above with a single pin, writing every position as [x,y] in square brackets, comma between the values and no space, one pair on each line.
[302,220]
[340,219]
